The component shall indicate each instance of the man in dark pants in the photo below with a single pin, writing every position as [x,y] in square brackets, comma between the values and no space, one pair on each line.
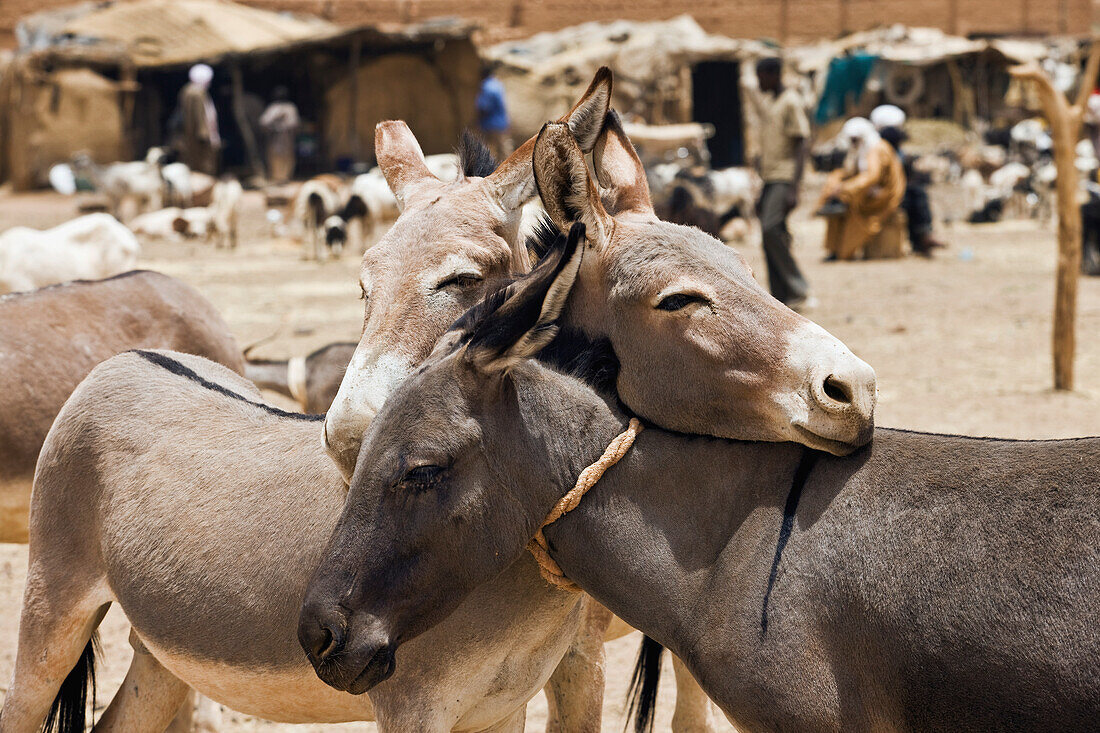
[888,120]
[784,129]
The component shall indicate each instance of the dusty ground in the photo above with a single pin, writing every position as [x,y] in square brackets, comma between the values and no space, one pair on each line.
[960,343]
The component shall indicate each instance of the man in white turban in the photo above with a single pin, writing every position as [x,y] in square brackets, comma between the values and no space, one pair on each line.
[887,115]
[868,188]
[889,121]
[200,139]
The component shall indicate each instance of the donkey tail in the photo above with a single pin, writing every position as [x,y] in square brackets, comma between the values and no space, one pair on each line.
[69,707]
[641,696]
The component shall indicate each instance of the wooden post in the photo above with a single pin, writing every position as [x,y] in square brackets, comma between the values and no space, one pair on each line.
[1065,127]
[354,56]
[253,152]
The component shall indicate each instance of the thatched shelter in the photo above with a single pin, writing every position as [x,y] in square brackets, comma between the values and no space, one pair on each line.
[133,55]
[665,72]
[926,72]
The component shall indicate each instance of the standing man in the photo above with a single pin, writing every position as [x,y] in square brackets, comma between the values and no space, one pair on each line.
[280,123]
[784,130]
[201,141]
[493,115]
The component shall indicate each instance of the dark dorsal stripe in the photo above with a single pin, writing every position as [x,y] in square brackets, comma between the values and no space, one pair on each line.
[474,157]
[166,362]
[801,474]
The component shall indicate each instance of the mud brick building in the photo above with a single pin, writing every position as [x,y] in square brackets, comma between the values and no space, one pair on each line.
[783,20]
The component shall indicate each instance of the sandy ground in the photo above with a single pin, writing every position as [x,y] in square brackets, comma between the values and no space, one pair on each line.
[960,343]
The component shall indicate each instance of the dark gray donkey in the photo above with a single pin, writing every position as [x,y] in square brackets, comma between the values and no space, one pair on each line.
[925,582]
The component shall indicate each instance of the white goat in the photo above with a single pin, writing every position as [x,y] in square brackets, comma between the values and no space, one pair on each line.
[320,208]
[87,248]
[177,184]
[224,211]
[371,205]
[173,223]
[138,181]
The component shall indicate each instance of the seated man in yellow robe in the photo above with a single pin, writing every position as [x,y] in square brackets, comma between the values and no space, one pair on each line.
[862,194]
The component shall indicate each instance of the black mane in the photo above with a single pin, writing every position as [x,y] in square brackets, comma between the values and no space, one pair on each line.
[474,157]
[542,239]
[593,361]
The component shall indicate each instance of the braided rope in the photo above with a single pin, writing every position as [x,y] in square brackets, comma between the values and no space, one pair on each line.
[538,546]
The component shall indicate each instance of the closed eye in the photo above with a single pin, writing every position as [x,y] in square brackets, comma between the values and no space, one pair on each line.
[420,478]
[679,301]
[461,281]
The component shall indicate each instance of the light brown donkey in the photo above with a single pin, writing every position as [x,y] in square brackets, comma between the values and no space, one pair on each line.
[214,602]
[693,341]
[52,337]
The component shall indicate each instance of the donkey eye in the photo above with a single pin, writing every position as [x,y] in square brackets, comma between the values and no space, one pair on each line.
[459,281]
[679,301]
[422,477]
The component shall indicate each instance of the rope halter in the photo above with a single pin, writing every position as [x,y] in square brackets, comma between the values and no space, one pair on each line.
[538,546]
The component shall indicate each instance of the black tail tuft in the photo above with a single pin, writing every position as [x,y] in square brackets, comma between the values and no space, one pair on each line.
[641,696]
[68,709]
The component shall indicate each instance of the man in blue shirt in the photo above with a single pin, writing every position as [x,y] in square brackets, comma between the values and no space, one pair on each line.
[493,115]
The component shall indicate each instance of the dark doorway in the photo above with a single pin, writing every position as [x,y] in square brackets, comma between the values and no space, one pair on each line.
[716,98]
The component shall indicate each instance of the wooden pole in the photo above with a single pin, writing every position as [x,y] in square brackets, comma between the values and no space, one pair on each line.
[1065,127]
[239,116]
[354,57]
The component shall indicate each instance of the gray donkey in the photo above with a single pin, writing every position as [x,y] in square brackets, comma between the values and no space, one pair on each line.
[924,582]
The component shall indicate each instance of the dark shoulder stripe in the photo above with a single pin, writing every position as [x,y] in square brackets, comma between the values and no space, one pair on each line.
[176,367]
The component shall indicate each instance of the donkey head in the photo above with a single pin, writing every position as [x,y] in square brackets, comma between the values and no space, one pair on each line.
[450,242]
[702,347]
[444,468]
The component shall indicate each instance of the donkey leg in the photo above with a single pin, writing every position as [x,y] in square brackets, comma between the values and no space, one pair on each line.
[693,713]
[55,632]
[197,714]
[149,698]
[574,693]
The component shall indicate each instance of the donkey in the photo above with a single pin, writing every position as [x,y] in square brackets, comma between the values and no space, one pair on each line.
[52,337]
[924,582]
[232,621]
[312,381]
[678,307]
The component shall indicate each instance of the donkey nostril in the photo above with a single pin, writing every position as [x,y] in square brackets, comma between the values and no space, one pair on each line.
[324,643]
[837,390]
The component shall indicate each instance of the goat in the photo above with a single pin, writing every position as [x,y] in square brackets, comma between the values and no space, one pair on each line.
[89,247]
[224,212]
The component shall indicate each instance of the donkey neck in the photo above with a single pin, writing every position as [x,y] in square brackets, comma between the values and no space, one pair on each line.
[680,536]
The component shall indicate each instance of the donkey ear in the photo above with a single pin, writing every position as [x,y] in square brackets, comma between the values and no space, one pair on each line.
[619,170]
[513,178]
[587,116]
[400,158]
[525,320]
[561,176]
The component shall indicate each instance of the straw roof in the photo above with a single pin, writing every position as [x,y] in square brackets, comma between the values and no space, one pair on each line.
[170,32]
[914,46]
[638,50]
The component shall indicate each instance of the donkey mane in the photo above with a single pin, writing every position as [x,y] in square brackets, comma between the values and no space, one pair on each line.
[543,237]
[167,362]
[474,157]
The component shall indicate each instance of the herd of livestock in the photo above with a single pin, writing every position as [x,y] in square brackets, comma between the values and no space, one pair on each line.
[807,570]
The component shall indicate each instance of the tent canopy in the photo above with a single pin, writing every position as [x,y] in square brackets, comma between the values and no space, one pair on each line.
[151,33]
